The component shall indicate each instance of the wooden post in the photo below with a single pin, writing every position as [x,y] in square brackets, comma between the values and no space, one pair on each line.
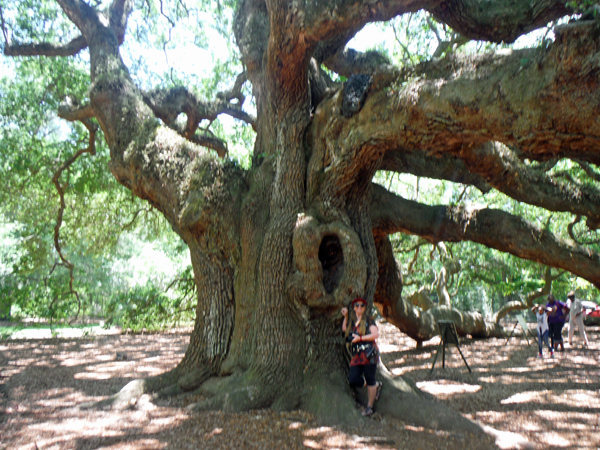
[448,335]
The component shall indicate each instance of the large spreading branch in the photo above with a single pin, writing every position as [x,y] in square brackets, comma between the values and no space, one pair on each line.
[166,105]
[457,105]
[490,227]
[495,165]
[539,101]
[440,167]
[503,170]
[327,19]
[118,12]
[498,21]
[155,163]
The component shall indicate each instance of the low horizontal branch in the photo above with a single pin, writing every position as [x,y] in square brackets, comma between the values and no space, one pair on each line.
[492,228]
[439,167]
[498,21]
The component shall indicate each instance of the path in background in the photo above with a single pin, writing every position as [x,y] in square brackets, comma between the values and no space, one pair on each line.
[41,330]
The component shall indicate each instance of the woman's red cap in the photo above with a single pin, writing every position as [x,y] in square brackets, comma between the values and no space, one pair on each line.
[359,299]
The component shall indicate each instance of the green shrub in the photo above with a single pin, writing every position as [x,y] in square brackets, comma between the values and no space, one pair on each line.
[144,308]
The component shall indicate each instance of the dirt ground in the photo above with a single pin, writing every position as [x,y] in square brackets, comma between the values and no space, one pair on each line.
[539,404]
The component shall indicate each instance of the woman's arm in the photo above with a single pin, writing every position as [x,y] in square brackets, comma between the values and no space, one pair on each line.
[373,334]
[345,322]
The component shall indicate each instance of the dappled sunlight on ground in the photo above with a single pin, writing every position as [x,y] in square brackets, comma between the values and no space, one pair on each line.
[572,399]
[49,384]
[552,403]
[444,388]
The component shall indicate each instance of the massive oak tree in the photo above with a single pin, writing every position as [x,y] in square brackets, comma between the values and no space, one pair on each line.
[279,248]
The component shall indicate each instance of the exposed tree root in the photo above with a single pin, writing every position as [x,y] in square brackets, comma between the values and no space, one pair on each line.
[402,399]
[327,397]
[238,392]
[124,398]
[136,388]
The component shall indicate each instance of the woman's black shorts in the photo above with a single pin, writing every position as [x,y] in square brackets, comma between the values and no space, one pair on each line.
[359,374]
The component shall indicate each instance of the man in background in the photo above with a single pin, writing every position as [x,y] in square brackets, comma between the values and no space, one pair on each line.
[576,317]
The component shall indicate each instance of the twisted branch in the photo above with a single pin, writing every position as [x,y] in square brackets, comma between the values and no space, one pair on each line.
[168,104]
[519,305]
[71,112]
[503,169]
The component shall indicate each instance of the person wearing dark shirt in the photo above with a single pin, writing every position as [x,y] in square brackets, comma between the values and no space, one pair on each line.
[556,321]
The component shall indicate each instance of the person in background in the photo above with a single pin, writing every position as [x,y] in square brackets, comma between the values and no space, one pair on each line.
[556,322]
[576,317]
[361,332]
[541,314]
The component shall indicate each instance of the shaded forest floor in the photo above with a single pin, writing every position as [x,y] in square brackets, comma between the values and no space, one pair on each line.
[549,403]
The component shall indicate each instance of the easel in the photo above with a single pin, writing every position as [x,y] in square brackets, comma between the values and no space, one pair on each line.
[520,321]
[448,335]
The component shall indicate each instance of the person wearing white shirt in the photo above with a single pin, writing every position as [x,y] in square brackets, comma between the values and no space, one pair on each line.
[576,317]
[541,314]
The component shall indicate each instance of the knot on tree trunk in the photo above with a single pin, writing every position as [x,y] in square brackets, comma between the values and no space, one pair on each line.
[355,93]
[329,264]
[331,256]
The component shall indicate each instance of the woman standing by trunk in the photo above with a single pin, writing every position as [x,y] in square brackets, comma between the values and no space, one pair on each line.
[361,333]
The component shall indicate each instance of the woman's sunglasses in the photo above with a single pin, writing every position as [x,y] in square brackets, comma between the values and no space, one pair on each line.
[360,305]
